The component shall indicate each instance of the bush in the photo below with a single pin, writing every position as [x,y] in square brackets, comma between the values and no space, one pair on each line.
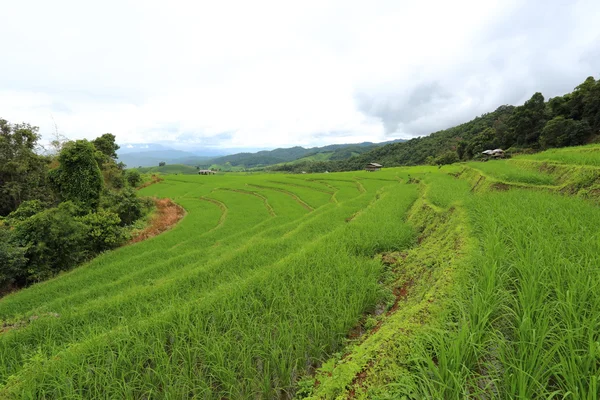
[12,258]
[126,205]
[133,177]
[54,240]
[27,209]
[448,157]
[103,231]
[78,177]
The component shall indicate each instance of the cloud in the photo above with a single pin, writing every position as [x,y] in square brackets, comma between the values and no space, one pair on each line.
[272,74]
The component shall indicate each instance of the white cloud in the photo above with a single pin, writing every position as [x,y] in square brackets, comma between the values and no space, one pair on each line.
[273,73]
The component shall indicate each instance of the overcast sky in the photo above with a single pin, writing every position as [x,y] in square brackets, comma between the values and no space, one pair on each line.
[267,74]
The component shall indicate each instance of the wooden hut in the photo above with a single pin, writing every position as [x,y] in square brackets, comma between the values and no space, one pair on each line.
[206,172]
[373,167]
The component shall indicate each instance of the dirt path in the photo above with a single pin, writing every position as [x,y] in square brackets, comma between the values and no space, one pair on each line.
[260,196]
[167,215]
[223,208]
[292,195]
[153,179]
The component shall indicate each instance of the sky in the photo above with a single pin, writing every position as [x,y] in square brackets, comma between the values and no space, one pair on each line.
[266,74]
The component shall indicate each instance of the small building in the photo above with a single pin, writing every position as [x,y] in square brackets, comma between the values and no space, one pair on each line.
[206,172]
[496,153]
[373,167]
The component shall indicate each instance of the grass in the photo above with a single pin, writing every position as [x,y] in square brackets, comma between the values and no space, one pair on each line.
[529,326]
[507,172]
[161,318]
[580,155]
[260,290]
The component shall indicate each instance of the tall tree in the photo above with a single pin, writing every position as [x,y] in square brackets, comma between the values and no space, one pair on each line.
[528,120]
[106,145]
[22,170]
[78,177]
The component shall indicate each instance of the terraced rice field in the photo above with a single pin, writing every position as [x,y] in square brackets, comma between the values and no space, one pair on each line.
[418,282]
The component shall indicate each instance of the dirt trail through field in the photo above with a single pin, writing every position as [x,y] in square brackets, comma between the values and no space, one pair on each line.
[260,196]
[292,195]
[167,215]
[223,208]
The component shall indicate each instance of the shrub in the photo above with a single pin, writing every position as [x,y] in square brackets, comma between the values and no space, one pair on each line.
[133,177]
[54,240]
[12,258]
[125,204]
[26,209]
[103,231]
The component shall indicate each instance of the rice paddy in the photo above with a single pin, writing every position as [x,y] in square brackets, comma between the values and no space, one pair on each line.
[260,290]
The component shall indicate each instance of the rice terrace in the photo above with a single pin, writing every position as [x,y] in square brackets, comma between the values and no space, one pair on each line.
[471,280]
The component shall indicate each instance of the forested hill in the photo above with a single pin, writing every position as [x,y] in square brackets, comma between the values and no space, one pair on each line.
[282,155]
[568,120]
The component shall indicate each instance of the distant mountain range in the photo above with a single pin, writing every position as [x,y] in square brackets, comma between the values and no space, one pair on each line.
[150,154]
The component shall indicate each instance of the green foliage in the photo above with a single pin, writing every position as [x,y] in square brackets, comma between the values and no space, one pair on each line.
[22,171]
[113,176]
[78,177]
[12,257]
[103,230]
[126,205]
[448,157]
[162,164]
[134,178]
[561,132]
[528,121]
[54,241]
[106,145]
[27,209]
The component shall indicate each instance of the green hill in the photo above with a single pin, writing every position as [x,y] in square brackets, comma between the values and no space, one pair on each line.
[293,154]
[569,120]
[169,169]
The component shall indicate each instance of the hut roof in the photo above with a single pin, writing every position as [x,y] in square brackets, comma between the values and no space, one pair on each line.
[374,164]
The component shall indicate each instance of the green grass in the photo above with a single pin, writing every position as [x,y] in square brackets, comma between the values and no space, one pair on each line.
[529,326]
[494,293]
[580,155]
[222,305]
[504,171]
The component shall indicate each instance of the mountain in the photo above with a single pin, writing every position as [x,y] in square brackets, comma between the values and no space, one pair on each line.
[153,157]
[150,154]
[284,155]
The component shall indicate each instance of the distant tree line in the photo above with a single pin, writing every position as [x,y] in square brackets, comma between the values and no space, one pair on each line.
[59,210]
[569,120]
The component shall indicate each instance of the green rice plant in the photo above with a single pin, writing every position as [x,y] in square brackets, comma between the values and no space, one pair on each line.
[248,333]
[529,326]
[579,155]
[506,172]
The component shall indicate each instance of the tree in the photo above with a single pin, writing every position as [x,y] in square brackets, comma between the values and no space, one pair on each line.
[461,147]
[12,257]
[22,171]
[78,177]
[54,241]
[106,145]
[560,132]
[448,157]
[162,164]
[528,120]
[133,177]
